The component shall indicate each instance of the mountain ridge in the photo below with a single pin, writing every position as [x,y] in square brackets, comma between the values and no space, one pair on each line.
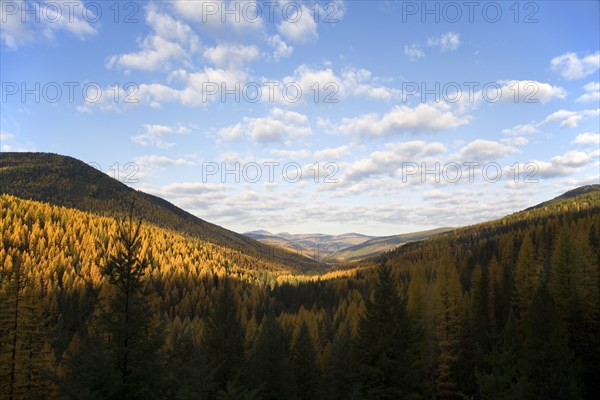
[67,181]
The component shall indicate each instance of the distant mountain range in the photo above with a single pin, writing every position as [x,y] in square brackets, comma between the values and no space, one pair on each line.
[339,248]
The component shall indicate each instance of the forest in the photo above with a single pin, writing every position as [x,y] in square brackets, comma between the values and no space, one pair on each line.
[97,306]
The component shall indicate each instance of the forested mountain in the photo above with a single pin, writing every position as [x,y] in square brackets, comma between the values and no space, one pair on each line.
[68,182]
[98,307]
[380,244]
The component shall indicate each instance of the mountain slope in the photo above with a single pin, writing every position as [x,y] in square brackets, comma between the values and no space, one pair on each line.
[66,181]
[319,247]
[378,245]
[584,200]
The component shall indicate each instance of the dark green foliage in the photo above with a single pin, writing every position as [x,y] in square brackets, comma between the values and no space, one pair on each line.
[499,377]
[120,358]
[390,364]
[223,338]
[549,369]
[304,366]
[340,380]
[268,368]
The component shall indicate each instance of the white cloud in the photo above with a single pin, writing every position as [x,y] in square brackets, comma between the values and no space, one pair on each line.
[154,54]
[413,52]
[152,161]
[422,118]
[15,32]
[447,42]
[570,66]
[282,49]
[530,91]
[172,40]
[564,165]
[153,133]
[291,154]
[200,88]
[568,119]
[515,141]
[231,56]
[593,93]
[211,16]
[329,86]
[391,159]
[518,130]
[587,139]
[299,26]
[333,153]
[485,150]
[279,126]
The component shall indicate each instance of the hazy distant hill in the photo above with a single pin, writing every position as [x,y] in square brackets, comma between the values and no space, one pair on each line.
[340,248]
[66,181]
[381,244]
[317,246]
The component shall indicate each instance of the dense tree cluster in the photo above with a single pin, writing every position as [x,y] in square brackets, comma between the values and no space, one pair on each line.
[94,307]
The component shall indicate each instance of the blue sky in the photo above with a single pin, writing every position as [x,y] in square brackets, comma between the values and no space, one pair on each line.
[375,93]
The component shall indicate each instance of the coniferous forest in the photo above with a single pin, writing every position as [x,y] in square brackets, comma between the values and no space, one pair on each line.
[115,306]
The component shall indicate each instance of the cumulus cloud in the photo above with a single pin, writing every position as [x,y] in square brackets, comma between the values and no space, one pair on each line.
[570,66]
[231,56]
[414,52]
[447,42]
[563,165]
[299,26]
[280,125]
[154,54]
[388,161]
[530,91]
[153,135]
[281,48]
[422,118]
[485,150]
[210,16]
[592,93]
[518,130]
[199,88]
[152,161]
[333,153]
[15,32]
[172,40]
[587,139]
[331,87]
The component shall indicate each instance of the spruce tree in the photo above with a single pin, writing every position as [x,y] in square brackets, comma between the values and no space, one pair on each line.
[304,365]
[549,369]
[222,342]
[388,346]
[268,368]
[120,358]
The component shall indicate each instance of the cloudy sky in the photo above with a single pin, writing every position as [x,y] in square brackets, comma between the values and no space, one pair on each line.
[377,117]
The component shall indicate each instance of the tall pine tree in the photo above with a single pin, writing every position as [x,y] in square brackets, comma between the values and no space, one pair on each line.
[389,349]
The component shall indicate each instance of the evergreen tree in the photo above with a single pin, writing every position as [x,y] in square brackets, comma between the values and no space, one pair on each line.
[499,378]
[549,370]
[223,339]
[304,365]
[340,377]
[25,354]
[389,345]
[448,331]
[121,357]
[268,367]
[527,278]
